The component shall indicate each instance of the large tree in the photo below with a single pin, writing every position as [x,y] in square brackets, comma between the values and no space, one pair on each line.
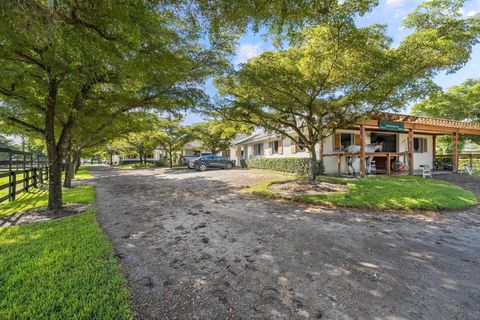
[58,57]
[335,74]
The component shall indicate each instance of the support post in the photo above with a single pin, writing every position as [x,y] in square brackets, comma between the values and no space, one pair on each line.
[455,152]
[339,164]
[434,150]
[321,150]
[470,160]
[410,152]
[362,150]
[239,155]
[389,169]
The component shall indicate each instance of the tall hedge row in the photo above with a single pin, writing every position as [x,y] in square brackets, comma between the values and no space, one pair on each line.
[299,166]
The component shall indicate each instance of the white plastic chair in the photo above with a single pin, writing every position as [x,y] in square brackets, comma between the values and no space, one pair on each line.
[426,172]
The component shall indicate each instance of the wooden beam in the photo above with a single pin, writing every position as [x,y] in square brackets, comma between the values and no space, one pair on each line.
[434,149]
[455,153]
[410,152]
[339,164]
[389,169]
[362,150]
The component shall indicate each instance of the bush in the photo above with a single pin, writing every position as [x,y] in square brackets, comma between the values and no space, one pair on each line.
[159,163]
[142,165]
[299,166]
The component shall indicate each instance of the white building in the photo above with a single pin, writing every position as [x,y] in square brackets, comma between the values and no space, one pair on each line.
[406,139]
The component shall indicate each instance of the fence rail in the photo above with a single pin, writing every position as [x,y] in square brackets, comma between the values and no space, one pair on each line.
[20,171]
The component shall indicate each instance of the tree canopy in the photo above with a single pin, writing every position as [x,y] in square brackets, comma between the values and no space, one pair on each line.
[64,61]
[217,135]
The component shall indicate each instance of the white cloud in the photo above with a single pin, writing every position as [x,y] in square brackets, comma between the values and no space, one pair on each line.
[471,13]
[395,2]
[246,52]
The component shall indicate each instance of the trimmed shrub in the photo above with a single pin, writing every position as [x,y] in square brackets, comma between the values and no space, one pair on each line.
[299,166]
[159,163]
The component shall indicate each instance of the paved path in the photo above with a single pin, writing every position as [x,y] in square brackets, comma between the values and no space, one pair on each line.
[194,248]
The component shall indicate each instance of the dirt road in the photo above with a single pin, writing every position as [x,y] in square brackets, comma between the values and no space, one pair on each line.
[194,248]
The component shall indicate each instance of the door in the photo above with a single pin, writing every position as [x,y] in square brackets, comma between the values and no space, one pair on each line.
[209,161]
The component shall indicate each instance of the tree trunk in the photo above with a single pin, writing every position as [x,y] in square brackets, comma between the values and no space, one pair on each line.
[111,159]
[54,151]
[67,181]
[170,156]
[78,162]
[55,183]
[312,172]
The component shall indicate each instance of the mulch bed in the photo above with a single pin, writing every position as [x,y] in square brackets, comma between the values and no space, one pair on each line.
[40,215]
[298,188]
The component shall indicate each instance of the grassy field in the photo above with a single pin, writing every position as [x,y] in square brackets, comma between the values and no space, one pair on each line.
[82,174]
[60,269]
[38,198]
[400,193]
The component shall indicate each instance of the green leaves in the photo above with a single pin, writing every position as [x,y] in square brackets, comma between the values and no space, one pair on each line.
[216,135]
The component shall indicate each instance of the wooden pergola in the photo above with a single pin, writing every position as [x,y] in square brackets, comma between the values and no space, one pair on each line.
[409,125]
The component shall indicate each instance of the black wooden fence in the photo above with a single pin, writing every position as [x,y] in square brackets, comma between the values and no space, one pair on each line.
[21,171]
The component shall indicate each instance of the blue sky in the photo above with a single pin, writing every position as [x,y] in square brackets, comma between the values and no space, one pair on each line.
[389,12]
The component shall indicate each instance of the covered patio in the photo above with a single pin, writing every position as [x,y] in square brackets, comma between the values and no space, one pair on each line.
[410,126]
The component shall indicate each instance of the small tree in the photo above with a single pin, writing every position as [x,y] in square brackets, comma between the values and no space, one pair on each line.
[461,102]
[217,135]
[172,136]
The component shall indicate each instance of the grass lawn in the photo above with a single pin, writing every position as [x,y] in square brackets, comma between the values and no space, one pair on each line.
[60,269]
[135,166]
[400,193]
[38,198]
[180,167]
[83,174]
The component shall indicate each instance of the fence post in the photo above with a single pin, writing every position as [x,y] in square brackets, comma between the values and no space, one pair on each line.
[35,177]
[13,185]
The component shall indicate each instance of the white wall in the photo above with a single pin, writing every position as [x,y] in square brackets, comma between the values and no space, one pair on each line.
[330,163]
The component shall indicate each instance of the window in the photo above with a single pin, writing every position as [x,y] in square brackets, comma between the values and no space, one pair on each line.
[420,145]
[258,149]
[275,146]
[343,140]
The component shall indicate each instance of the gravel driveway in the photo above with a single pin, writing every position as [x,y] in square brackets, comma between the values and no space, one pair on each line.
[193,247]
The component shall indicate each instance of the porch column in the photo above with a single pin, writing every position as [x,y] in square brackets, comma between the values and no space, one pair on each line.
[455,152]
[434,150]
[239,155]
[410,152]
[362,150]
[245,151]
[339,164]
[321,150]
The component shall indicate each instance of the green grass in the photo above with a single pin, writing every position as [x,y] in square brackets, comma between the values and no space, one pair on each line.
[38,198]
[179,167]
[399,193]
[83,174]
[60,269]
[134,166]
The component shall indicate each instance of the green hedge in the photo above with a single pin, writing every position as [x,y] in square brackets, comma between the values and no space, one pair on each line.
[446,163]
[299,166]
